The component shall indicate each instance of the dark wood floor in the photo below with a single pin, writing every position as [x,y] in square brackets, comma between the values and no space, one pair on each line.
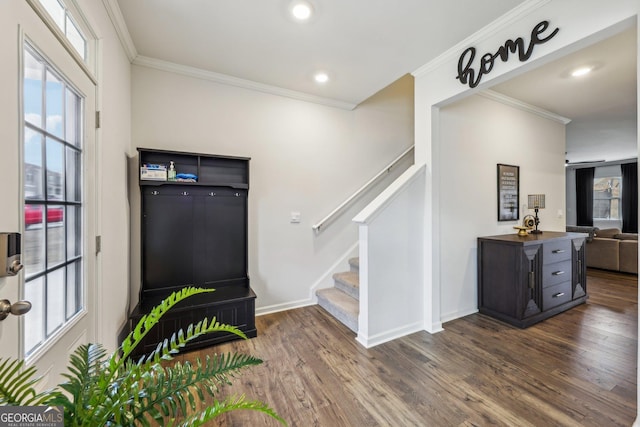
[575,369]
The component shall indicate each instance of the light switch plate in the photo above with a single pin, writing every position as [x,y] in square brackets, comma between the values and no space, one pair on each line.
[295,217]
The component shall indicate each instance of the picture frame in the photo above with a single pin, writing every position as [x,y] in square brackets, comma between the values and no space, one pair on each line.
[508,192]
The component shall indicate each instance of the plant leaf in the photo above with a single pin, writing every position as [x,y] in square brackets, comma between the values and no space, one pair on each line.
[17,384]
[230,404]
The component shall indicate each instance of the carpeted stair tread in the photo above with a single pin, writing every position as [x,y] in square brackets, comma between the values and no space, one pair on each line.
[348,282]
[340,305]
[354,264]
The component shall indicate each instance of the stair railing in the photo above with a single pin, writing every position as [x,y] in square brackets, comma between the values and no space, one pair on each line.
[318,226]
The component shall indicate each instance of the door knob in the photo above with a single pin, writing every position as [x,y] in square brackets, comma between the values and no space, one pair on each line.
[17,309]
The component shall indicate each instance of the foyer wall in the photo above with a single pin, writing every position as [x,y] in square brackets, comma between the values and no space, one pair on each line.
[305,158]
[481,133]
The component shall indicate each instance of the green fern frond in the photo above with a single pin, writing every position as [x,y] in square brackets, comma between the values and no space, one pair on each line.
[85,372]
[17,384]
[228,405]
[170,346]
[150,320]
[103,389]
[179,382]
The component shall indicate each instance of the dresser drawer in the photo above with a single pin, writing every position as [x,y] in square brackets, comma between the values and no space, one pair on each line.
[556,295]
[552,274]
[556,250]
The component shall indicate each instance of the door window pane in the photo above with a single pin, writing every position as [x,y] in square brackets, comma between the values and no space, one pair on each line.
[75,37]
[74,229]
[33,242]
[62,18]
[72,104]
[34,319]
[33,72]
[53,210]
[55,169]
[54,105]
[55,235]
[55,300]
[33,177]
[73,174]
[56,11]
[73,289]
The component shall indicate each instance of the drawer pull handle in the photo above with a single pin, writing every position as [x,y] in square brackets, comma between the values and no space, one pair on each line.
[557,273]
[155,193]
[557,251]
[185,193]
[558,295]
[532,279]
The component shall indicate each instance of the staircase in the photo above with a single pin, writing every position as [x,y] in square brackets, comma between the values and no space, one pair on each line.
[341,301]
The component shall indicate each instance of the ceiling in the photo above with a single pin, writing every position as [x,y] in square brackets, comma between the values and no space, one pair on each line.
[365,45]
[601,105]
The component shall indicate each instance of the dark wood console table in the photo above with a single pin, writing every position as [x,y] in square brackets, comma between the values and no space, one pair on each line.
[523,280]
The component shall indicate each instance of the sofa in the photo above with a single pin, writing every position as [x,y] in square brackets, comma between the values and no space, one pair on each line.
[610,249]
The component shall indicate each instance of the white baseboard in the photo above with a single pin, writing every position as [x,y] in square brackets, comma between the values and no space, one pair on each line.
[387,336]
[260,311]
[457,315]
[435,328]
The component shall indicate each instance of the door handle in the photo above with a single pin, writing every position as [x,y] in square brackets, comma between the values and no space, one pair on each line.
[17,309]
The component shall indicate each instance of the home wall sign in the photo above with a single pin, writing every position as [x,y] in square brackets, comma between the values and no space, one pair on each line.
[467,74]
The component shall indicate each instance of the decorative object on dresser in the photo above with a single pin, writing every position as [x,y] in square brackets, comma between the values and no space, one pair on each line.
[536,202]
[523,280]
[194,233]
[508,192]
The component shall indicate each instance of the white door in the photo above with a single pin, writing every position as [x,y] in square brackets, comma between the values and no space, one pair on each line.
[54,196]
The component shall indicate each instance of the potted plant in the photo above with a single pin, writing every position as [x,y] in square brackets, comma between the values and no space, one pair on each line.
[115,390]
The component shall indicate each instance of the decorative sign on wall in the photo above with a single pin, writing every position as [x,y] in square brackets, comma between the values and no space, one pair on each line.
[508,192]
[467,74]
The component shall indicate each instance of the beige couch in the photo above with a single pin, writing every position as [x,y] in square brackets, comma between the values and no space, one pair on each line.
[610,249]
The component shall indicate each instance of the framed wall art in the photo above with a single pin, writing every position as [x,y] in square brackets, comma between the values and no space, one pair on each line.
[508,192]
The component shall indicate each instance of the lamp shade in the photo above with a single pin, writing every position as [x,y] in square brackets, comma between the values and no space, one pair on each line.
[536,201]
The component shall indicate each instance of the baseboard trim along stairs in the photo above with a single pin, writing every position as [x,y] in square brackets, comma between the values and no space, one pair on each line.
[342,301]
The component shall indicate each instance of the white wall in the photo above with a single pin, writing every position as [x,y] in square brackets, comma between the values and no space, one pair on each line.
[304,157]
[479,134]
[391,270]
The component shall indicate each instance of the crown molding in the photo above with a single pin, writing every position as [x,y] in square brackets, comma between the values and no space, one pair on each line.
[484,33]
[520,105]
[225,79]
[115,15]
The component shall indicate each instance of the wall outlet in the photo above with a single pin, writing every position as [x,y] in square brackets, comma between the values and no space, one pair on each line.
[560,213]
[295,218]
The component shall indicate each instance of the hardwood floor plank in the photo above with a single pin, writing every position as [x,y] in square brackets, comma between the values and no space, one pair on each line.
[575,369]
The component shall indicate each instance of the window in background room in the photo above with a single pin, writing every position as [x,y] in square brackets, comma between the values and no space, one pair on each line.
[52,239]
[607,192]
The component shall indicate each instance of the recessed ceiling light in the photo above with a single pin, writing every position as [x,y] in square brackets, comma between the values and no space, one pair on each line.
[582,71]
[301,10]
[321,77]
